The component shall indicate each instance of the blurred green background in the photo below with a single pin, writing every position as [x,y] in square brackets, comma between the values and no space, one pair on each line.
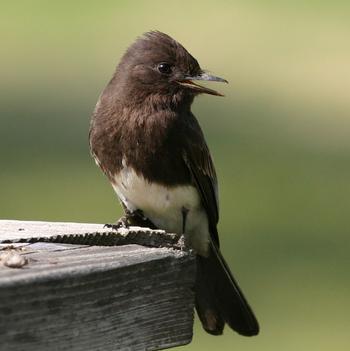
[280,140]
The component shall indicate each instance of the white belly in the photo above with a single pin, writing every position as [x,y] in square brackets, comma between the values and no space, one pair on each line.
[164,206]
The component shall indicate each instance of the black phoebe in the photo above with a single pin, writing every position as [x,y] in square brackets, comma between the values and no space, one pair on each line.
[150,146]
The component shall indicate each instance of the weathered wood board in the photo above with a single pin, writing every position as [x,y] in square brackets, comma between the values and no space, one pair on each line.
[77,297]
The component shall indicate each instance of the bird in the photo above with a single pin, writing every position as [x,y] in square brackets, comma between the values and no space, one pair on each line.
[150,146]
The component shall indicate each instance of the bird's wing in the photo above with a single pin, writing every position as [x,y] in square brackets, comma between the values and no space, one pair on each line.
[198,161]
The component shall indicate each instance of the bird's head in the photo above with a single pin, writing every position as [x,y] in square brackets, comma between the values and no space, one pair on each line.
[157,64]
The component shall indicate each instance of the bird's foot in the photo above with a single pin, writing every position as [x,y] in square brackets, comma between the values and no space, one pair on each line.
[135,218]
[122,222]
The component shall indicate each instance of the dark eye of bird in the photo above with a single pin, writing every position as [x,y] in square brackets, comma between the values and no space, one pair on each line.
[164,68]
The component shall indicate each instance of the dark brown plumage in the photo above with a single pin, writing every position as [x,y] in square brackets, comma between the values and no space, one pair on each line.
[146,140]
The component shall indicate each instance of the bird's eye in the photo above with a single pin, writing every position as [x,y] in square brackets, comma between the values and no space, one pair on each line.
[164,68]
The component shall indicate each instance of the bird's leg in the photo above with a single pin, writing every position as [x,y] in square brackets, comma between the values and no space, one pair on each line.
[184,212]
[182,242]
[122,222]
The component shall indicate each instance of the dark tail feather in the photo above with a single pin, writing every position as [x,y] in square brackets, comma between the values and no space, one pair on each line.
[219,299]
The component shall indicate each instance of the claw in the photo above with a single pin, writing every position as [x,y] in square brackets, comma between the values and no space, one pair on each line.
[135,218]
[121,223]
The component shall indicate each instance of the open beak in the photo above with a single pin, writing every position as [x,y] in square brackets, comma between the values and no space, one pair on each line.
[188,82]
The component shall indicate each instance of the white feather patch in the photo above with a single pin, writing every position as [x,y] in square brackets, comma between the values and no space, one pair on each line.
[163,206]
